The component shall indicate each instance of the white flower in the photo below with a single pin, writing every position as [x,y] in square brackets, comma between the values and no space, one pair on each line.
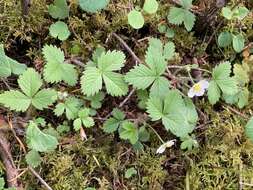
[198,89]
[168,144]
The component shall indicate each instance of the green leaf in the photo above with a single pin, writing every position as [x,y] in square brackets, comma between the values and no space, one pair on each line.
[243,98]
[189,143]
[238,42]
[141,77]
[71,106]
[111,61]
[150,6]
[160,87]
[179,16]
[8,65]
[118,114]
[93,77]
[77,124]
[225,39]
[135,19]
[33,158]
[186,4]
[169,50]
[86,121]
[143,134]
[142,98]
[15,100]
[130,172]
[30,82]
[177,116]
[241,13]
[221,75]
[2,183]
[115,84]
[241,73]
[59,30]
[91,81]
[111,125]
[59,9]
[129,132]
[55,69]
[155,108]
[44,98]
[249,129]
[95,101]
[39,141]
[227,13]
[213,92]
[93,6]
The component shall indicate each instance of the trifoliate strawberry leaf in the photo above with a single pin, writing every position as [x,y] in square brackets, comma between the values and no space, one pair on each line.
[150,6]
[135,19]
[129,132]
[56,69]
[33,158]
[177,115]
[181,15]
[186,4]
[30,83]
[39,141]
[59,30]
[95,101]
[93,77]
[59,9]
[143,76]
[112,124]
[83,119]
[71,107]
[93,6]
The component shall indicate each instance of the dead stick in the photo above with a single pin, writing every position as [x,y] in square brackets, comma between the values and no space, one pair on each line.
[39,178]
[11,171]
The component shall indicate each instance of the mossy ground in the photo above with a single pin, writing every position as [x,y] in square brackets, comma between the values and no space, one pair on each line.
[224,158]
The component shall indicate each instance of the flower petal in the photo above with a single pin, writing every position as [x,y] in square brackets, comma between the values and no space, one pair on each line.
[191,93]
[204,84]
[200,93]
[161,149]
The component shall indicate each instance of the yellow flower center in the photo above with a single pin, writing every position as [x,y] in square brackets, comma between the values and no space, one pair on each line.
[197,87]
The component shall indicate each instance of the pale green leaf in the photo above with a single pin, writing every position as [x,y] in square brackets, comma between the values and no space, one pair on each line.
[56,70]
[59,30]
[115,84]
[93,6]
[155,108]
[141,77]
[227,13]
[225,39]
[135,19]
[130,172]
[44,98]
[150,6]
[33,158]
[39,141]
[15,100]
[129,132]
[169,50]
[249,129]
[213,93]
[30,82]
[160,87]
[91,81]
[59,9]
[189,20]
[238,42]
[111,61]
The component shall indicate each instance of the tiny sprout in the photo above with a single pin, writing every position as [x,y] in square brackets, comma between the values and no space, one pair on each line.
[198,89]
[163,147]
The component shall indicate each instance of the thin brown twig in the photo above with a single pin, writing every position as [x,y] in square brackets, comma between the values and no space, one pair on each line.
[39,178]
[130,51]
[236,111]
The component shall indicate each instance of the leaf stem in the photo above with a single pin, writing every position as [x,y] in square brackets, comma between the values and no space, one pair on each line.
[159,137]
